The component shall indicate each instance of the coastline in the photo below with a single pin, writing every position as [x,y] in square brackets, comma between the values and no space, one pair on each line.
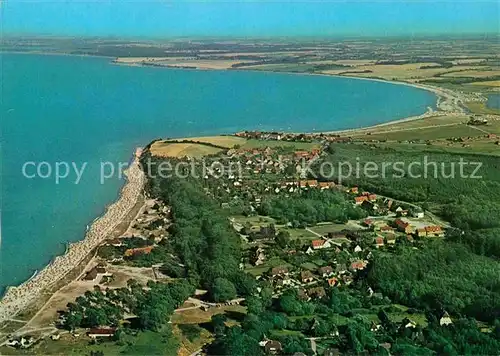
[19,298]
[16,299]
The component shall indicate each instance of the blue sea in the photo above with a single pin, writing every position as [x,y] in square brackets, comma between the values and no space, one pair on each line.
[83,110]
[493,101]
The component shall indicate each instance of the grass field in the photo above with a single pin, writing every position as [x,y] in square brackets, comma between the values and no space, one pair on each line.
[479,147]
[257,220]
[481,72]
[177,150]
[481,108]
[431,133]
[145,342]
[258,270]
[223,141]
[198,316]
[491,83]
[309,266]
[413,124]
[192,338]
[324,229]
[295,145]
[493,127]
[409,72]
[301,234]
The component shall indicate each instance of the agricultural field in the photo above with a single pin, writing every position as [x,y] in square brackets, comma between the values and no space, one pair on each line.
[481,72]
[177,150]
[406,72]
[427,122]
[253,143]
[180,63]
[285,67]
[429,133]
[222,141]
[491,83]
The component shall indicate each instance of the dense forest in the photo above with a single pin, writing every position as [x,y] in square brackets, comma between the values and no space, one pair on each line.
[311,207]
[463,201]
[442,275]
[346,314]
[201,236]
[460,274]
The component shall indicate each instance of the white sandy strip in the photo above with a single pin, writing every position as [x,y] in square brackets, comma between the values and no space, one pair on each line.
[19,298]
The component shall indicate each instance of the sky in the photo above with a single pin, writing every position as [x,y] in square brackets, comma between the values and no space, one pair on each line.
[156,18]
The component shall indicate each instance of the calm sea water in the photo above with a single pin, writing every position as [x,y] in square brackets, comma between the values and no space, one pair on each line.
[58,108]
[493,101]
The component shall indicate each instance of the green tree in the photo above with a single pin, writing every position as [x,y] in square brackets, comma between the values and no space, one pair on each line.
[218,322]
[283,239]
[222,290]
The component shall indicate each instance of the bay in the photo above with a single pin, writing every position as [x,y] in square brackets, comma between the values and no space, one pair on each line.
[83,110]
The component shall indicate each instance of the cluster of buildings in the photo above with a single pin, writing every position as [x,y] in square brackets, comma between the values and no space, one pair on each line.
[96,273]
[312,284]
[151,225]
[420,230]
[252,161]
[292,137]
[379,206]
[250,174]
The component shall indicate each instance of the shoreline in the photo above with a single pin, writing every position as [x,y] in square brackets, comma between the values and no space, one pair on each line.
[18,298]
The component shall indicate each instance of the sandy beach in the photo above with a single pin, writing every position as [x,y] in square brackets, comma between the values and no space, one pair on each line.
[17,299]
[448,102]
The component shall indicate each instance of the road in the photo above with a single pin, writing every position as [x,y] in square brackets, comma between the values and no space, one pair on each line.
[480,129]
[314,232]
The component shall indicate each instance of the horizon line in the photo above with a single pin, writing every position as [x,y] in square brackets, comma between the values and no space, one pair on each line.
[251,37]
